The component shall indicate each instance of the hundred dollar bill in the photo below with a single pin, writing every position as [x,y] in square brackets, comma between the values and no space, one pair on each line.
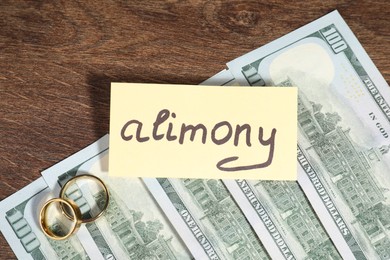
[20,226]
[133,226]
[283,218]
[344,127]
[279,212]
[207,218]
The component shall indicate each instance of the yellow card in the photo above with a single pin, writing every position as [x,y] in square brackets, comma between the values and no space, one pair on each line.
[213,132]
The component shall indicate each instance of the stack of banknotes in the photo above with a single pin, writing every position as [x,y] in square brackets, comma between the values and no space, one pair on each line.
[338,209]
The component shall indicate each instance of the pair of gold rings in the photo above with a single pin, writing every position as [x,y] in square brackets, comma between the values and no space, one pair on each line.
[70,210]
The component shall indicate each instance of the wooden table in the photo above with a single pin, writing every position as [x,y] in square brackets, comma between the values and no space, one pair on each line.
[57,62]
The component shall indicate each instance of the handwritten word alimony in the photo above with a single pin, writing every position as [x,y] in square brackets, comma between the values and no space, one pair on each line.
[221,133]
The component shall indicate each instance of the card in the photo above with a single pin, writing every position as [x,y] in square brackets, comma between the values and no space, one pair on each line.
[213,132]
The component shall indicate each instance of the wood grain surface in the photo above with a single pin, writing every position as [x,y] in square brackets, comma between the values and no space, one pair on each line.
[57,59]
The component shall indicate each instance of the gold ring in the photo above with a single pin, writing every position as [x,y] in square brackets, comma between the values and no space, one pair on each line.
[76,220]
[85,176]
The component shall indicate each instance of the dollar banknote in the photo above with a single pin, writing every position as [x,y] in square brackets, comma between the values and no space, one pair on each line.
[283,218]
[207,218]
[19,224]
[344,126]
[133,226]
[279,211]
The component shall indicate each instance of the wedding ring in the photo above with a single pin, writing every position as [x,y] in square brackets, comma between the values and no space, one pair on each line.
[88,177]
[76,219]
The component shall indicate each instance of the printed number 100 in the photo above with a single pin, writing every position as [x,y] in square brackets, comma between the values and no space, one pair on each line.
[334,40]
